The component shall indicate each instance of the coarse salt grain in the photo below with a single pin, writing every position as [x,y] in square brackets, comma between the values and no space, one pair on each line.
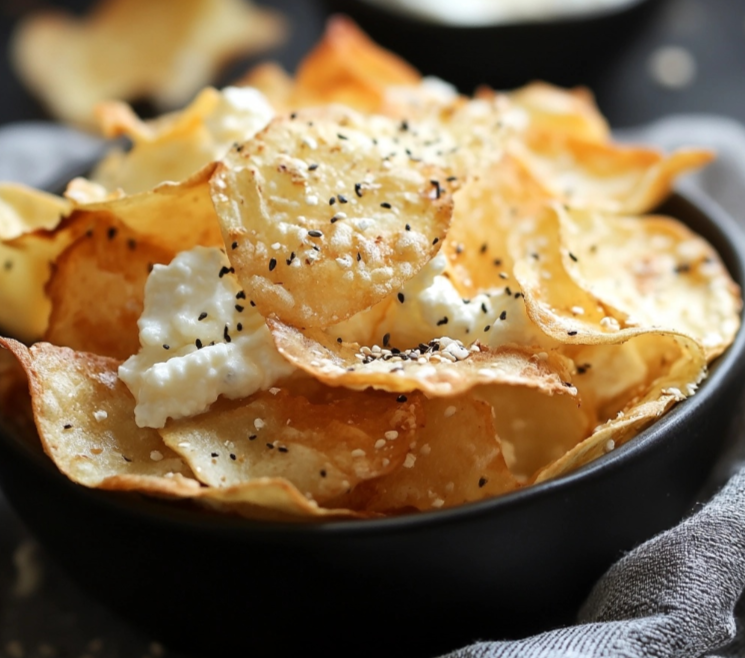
[156,455]
[449,411]
[410,460]
[259,423]
[391,435]
[100,415]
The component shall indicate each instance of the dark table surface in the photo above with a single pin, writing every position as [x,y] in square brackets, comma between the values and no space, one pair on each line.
[44,615]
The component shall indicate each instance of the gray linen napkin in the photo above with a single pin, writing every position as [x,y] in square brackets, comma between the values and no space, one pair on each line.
[674,596]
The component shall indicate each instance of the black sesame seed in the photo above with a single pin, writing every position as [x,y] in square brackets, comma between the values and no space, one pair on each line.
[385,205]
[111,233]
[435,241]
[198,343]
[313,233]
[508,291]
[252,302]
[323,473]
[252,437]
[572,256]
[404,125]
[8,265]
[332,200]
[498,262]
[395,350]
[503,315]
[226,335]
[234,245]
[340,136]
[335,219]
[240,295]
[126,459]
[270,446]
[483,307]
[223,271]
[359,257]
[272,264]
[401,398]
[166,347]
[682,268]
[442,321]
[215,454]
[482,482]
[316,247]
[239,308]
[291,258]
[358,189]
[293,115]
[132,244]
[282,449]
[239,326]
[313,167]
[339,340]
[487,327]
[68,427]
[571,333]
[342,199]
[386,340]
[438,189]
[534,256]
[450,179]
[408,227]
[401,297]
[582,369]
[483,248]
[232,456]
[202,315]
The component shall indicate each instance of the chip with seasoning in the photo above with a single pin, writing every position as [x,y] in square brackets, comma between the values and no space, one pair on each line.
[394,299]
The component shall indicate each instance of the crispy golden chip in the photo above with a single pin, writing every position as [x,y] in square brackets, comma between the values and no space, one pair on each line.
[619,179]
[173,216]
[97,289]
[24,209]
[443,368]
[324,449]
[570,112]
[455,459]
[347,67]
[85,417]
[348,211]
[175,146]
[663,274]
[535,429]
[134,49]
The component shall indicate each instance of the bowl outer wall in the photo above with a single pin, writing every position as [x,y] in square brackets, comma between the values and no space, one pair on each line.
[414,586]
[567,51]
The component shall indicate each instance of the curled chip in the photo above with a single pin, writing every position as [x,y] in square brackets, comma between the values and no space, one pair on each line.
[323,448]
[136,49]
[327,201]
[442,367]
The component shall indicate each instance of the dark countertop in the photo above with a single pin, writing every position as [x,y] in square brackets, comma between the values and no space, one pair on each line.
[42,614]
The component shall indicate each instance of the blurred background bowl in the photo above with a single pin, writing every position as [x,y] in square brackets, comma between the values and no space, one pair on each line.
[410,586]
[569,50]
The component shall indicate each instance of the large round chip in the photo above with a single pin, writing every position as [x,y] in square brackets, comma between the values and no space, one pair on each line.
[327,213]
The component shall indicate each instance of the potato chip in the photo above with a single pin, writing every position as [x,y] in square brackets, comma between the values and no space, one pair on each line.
[348,212]
[24,209]
[324,449]
[135,49]
[455,459]
[619,179]
[347,67]
[530,438]
[173,147]
[664,275]
[173,216]
[442,368]
[97,289]
[85,417]
[569,112]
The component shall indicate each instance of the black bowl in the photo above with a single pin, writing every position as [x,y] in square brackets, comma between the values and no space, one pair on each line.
[409,586]
[568,51]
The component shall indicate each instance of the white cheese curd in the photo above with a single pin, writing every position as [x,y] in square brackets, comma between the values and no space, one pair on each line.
[490,12]
[196,301]
[430,307]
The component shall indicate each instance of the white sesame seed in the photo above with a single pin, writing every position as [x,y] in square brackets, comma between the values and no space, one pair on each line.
[156,455]
[609,323]
[410,460]
[356,453]
[391,435]
[276,246]
[449,411]
[578,310]
[610,444]
[184,444]
[379,444]
[311,200]
[100,415]
[310,142]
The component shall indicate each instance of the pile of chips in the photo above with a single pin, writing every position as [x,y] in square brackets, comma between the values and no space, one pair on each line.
[589,319]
